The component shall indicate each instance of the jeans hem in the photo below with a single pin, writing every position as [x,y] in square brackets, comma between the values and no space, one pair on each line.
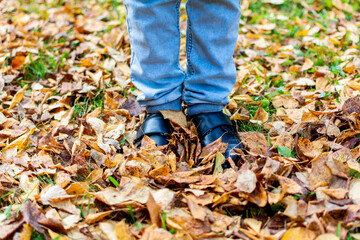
[203,108]
[173,105]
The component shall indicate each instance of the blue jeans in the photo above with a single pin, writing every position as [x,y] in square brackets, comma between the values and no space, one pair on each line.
[212,31]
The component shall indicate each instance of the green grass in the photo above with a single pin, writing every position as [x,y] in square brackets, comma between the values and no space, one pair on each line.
[246,126]
[39,68]
[84,105]
[320,56]
[113,181]
[132,217]
[81,207]
[37,236]
[163,223]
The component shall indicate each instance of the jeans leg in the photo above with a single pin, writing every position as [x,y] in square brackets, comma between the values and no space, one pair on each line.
[211,39]
[154,32]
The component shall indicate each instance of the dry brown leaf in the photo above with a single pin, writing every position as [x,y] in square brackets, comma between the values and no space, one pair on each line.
[320,174]
[255,141]
[289,185]
[327,236]
[254,224]
[51,192]
[261,115]
[32,215]
[307,64]
[337,193]
[246,181]
[259,196]
[287,101]
[122,231]
[197,211]
[351,105]
[95,217]
[77,188]
[177,117]
[8,229]
[354,191]
[154,210]
[306,148]
[153,233]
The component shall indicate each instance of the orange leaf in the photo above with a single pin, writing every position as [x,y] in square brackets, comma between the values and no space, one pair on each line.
[18,62]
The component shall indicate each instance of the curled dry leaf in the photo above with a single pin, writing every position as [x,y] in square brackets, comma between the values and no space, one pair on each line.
[289,185]
[354,191]
[154,210]
[177,117]
[50,193]
[32,215]
[254,141]
[246,181]
[351,105]
[261,115]
[95,217]
[320,174]
[153,233]
[306,148]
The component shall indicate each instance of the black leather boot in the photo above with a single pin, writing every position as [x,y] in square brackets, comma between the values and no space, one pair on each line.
[155,127]
[212,126]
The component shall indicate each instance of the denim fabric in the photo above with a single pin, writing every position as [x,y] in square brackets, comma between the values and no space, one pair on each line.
[212,32]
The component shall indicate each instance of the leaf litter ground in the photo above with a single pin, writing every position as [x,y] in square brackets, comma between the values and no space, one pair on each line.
[69,168]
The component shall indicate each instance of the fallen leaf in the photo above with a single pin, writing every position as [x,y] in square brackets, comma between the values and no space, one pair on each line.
[95,217]
[32,215]
[299,233]
[154,210]
[246,181]
[354,191]
[122,231]
[351,105]
[177,117]
[307,64]
[289,185]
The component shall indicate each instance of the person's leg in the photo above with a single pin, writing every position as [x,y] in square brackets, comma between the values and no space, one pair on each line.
[211,39]
[154,32]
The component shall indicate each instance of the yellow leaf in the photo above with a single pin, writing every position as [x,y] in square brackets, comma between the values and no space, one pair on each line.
[18,62]
[18,97]
[95,217]
[307,64]
[245,98]
[122,231]
[21,142]
[26,232]
[302,33]
[299,233]
[57,236]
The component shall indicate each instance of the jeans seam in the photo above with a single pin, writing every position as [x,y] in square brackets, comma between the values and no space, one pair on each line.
[178,3]
[132,51]
[189,41]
